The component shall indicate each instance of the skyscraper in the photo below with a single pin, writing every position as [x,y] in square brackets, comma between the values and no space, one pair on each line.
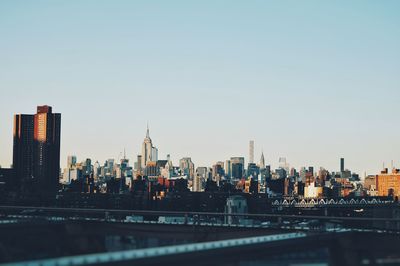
[251,151]
[149,153]
[218,170]
[187,167]
[71,160]
[268,174]
[36,151]
[96,171]
[262,161]
[197,183]
[228,168]
[341,165]
[202,172]
[71,172]
[47,130]
[154,154]
[253,170]
[237,167]
[138,164]
[23,150]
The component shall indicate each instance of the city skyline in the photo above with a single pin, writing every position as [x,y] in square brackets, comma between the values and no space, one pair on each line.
[36,168]
[208,78]
[209,132]
[273,163]
[249,159]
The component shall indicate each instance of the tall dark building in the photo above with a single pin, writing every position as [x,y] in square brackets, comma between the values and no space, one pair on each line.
[341,165]
[268,172]
[46,166]
[36,157]
[23,151]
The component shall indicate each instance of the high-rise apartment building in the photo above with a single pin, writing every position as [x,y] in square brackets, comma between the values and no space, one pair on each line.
[36,153]
[47,133]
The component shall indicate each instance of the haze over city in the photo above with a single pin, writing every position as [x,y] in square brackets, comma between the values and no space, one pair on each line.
[309,81]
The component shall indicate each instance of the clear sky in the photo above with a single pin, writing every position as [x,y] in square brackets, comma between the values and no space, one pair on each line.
[311,81]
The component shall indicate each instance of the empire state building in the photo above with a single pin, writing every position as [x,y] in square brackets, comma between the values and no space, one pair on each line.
[149,153]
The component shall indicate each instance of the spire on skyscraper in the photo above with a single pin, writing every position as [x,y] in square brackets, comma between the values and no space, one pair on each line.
[149,153]
[262,160]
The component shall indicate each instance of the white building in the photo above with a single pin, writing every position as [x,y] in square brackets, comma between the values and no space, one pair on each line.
[251,151]
[70,172]
[69,175]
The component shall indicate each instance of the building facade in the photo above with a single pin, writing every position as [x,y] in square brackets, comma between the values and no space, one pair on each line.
[251,151]
[149,152]
[187,167]
[23,150]
[388,184]
[36,151]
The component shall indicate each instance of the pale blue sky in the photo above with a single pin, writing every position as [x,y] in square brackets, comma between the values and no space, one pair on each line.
[307,80]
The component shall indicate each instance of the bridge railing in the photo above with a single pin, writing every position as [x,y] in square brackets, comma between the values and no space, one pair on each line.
[324,202]
[298,222]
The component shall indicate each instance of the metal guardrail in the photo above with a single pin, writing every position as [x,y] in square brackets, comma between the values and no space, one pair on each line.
[143,254]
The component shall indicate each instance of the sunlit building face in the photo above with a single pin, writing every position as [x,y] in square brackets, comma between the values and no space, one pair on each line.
[40,127]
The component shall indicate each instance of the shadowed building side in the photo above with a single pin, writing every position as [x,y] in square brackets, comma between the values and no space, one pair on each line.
[23,151]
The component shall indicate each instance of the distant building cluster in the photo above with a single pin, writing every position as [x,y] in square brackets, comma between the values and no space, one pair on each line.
[36,168]
[229,175]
